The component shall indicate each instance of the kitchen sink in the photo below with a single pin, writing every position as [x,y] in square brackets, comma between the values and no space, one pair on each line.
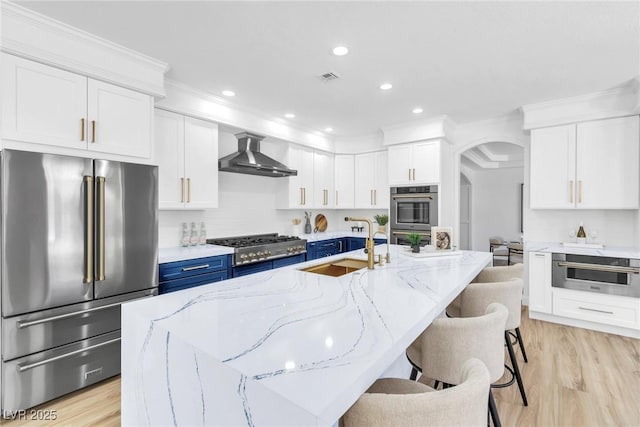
[337,268]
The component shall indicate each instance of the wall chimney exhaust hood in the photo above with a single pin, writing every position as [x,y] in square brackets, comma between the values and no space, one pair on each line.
[249,160]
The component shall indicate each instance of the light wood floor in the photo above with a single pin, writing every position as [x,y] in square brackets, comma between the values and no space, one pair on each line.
[574,377]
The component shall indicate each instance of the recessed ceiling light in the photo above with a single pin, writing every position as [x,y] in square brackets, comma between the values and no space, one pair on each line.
[228,93]
[417,110]
[328,129]
[289,115]
[340,50]
[386,86]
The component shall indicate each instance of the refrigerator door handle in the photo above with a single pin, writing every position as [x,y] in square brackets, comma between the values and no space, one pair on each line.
[100,276]
[88,237]
[22,368]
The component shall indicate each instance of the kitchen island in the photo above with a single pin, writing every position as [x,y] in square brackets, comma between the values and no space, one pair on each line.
[281,347]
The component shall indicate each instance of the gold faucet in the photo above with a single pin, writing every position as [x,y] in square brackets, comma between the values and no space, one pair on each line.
[368,247]
[388,256]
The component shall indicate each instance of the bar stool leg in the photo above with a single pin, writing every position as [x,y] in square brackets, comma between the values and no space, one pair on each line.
[493,411]
[521,344]
[516,371]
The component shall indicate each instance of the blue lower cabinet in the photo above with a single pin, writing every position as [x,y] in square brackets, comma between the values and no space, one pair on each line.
[342,245]
[178,275]
[355,243]
[322,248]
[282,262]
[243,270]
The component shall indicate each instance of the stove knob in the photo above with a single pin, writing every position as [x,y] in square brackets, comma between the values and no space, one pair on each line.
[289,250]
[243,256]
[252,255]
[260,254]
[267,253]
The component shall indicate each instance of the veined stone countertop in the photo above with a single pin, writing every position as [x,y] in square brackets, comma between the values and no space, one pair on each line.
[280,347]
[606,251]
[191,252]
[326,235]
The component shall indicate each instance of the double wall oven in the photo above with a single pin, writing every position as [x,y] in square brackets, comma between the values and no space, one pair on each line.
[413,210]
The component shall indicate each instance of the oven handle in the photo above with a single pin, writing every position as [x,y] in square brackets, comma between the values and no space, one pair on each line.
[413,196]
[404,233]
[599,267]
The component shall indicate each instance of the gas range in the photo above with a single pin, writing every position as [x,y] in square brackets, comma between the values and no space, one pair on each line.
[261,247]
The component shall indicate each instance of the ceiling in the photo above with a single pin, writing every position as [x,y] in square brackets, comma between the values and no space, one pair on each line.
[469,60]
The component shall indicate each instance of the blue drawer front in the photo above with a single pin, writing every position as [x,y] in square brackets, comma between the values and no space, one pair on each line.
[288,260]
[189,282]
[322,248]
[354,243]
[193,267]
[243,270]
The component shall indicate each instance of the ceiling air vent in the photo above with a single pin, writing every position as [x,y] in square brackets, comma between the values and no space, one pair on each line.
[327,77]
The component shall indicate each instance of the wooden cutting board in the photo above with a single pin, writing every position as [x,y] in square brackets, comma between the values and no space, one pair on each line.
[321,223]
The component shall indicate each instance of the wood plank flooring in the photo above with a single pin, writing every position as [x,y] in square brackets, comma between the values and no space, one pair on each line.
[575,377]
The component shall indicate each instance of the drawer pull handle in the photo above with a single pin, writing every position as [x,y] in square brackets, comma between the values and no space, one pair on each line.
[593,309]
[599,267]
[539,255]
[66,316]
[22,368]
[195,267]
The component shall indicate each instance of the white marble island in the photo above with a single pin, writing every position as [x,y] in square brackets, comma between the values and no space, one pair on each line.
[281,347]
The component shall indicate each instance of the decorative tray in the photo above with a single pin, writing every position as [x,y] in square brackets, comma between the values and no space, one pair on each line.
[425,254]
[583,245]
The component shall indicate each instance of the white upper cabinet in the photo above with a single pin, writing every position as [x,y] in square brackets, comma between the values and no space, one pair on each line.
[46,105]
[344,181]
[417,163]
[323,180]
[371,188]
[42,104]
[119,120]
[298,191]
[186,150]
[589,165]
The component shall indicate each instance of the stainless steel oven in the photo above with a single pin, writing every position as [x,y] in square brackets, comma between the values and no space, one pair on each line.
[414,208]
[399,237]
[616,276]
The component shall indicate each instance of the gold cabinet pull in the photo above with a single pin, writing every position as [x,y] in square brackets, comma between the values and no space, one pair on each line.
[181,190]
[570,191]
[101,228]
[414,174]
[580,191]
[93,131]
[336,197]
[304,196]
[88,231]
[82,129]
[188,190]
[375,197]
[301,202]
[409,174]
[371,197]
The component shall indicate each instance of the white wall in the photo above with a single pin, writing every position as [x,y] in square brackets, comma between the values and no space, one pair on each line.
[495,207]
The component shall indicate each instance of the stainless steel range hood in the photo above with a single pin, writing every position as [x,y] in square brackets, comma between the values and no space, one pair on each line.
[249,160]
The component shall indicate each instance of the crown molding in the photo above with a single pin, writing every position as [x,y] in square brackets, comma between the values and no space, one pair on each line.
[184,99]
[619,101]
[37,37]
[438,127]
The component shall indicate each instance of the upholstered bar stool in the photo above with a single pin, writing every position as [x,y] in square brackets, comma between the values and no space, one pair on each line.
[441,350]
[398,402]
[475,299]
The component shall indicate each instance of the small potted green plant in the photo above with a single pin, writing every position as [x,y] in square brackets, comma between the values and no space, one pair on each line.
[414,239]
[382,221]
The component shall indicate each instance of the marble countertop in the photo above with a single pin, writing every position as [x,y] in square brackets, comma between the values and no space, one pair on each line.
[325,235]
[608,251]
[191,252]
[280,347]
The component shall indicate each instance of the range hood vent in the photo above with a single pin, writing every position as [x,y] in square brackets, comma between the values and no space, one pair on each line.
[249,160]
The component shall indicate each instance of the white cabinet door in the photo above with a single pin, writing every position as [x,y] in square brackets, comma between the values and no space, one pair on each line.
[323,164]
[608,155]
[400,165]
[169,152]
[381,189]
[540,293]
[42,104]
[344,181]
[299,189]
[426,162]
[365,179]
[200,164]
[119,120]
[553,165]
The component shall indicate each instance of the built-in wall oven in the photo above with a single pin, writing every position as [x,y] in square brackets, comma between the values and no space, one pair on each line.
[414,208]
[616,276]
[399,237]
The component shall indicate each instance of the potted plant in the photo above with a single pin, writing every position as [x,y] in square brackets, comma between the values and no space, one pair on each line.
[382,221]
[414,239]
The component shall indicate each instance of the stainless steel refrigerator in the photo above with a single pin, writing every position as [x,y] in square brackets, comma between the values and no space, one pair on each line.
[79,237]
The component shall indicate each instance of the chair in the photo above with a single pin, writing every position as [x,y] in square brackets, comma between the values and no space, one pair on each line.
[398,402]
[496,284]
[441,350]
[499,250]
[515,253]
